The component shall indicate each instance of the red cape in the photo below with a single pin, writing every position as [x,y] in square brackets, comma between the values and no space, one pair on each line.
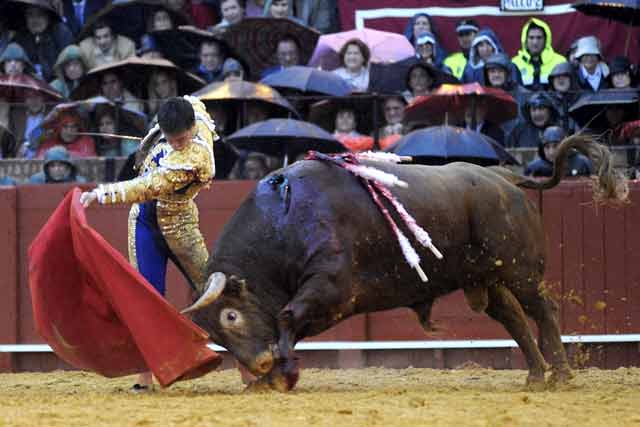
[98,313]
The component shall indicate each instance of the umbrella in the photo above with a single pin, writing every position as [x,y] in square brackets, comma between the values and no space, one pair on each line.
[284,137]
[85,107]
[14,89]
[236,95]
[129,17]
[589,109]
[439,145]
[391,78]
[14,11]
[323,113]
[384,47]
[308,80]
[625,11]
[256,40]
[182,45]
[134,73]
[448,103]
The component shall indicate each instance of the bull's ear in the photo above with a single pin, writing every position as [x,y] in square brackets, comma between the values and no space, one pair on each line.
[237,286]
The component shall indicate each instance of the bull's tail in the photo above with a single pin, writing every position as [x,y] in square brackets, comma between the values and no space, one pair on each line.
[609,184]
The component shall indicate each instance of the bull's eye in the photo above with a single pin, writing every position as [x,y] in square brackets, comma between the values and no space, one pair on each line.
[231,318]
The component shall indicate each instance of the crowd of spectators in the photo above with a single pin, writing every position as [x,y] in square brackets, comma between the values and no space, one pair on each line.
[63,45]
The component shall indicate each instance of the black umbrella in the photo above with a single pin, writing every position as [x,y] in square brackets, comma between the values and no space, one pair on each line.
[256,39]
[590,109]
[625,11]
[134,73]
[14,12]
[182,45]
[391,78]
[308,80]
[284,138]
[439,145]
[129,17]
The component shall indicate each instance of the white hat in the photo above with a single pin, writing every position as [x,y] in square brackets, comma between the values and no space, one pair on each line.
[588,45]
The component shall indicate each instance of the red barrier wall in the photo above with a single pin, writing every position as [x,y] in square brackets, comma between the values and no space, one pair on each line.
[593,266]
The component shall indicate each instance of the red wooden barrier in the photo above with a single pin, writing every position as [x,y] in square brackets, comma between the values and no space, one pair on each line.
[593,265]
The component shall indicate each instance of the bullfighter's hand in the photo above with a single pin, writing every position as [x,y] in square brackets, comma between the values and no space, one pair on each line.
[87,198]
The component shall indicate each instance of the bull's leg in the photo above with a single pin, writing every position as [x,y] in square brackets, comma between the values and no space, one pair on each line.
[319,295]
[505,308]
[544,310]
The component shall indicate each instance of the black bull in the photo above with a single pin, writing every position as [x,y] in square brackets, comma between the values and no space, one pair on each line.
[309,248]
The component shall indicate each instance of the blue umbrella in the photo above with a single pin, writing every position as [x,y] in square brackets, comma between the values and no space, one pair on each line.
[439,145]
[284,137]
[307,79]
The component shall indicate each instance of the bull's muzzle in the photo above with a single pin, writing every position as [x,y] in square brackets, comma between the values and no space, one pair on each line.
[263,363]
[215,286]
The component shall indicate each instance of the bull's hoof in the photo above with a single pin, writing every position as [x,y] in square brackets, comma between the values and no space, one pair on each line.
[262,385]
[560,377]
[536,383]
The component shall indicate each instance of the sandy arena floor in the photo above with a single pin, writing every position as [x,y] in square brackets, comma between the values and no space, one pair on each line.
[367,397]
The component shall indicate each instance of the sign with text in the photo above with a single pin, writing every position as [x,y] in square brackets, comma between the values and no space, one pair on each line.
[521,5]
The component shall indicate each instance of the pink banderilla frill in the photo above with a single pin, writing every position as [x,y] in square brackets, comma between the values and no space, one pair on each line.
[376,181]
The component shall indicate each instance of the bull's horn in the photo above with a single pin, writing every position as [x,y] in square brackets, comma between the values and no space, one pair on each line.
[215,286]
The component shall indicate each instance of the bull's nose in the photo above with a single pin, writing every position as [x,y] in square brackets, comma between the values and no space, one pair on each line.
[264,362]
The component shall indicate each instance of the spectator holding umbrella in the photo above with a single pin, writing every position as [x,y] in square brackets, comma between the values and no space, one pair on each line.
[211,60]
[577,164]
[354,61]
[481,124]
[104,46]
[345,131]
[43,39]
[420,81]
[106,123]
[536,58]
[65,133]
[621,73]
[162,85]
[159,20]
[69,69]
[592,72]
[58,167]
[539,113]
[112,88]
[287,54]
[466,30]
[392,131]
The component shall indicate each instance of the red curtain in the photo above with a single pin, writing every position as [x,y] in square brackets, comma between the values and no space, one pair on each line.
[98,313]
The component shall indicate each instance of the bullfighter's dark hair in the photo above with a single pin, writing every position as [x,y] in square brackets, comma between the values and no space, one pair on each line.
[364,50]
[175,116]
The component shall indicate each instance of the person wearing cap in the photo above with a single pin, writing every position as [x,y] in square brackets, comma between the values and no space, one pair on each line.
[577,164]
[539,112]
[621,73]
[484,44]
[58,167]
[536,58]
[427,51]
[466,31]
[592,72]
[232,70]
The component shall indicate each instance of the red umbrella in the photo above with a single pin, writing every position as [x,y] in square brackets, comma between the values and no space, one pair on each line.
[15,88]
[449,103]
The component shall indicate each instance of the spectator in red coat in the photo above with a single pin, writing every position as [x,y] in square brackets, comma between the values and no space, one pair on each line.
[65,134]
